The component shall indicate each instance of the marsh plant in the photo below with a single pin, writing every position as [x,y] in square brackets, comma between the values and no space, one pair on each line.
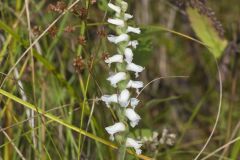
[123,67]
[72,73]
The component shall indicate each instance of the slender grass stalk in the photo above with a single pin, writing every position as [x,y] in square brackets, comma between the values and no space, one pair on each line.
[62,122]
[30,112]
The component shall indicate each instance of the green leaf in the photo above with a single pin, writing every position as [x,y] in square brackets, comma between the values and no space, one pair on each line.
[155,102]
[235,150]
[56,119]
[144,51]
[8,30]
[103,5]
[205,30]
[53,69]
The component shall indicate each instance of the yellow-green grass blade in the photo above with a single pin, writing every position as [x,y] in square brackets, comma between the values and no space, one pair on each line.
[56,119]
[207,33]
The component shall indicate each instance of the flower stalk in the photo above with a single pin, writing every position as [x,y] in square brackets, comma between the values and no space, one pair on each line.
[122,101]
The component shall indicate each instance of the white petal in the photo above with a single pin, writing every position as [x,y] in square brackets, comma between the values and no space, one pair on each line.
[117,127]
[116,21]
[112,38]
[135,84]
[132,116]
[128,55]
[135,68]
[138,151]
[133,30]
[123,98]
[134,102]
[118,39]
[135,144]
[114,7]
[127,16]
[109,99]
[133,43]
[114,79]
[124,6]
[115,58]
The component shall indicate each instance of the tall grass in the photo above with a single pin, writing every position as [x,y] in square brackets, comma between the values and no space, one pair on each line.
[52,75]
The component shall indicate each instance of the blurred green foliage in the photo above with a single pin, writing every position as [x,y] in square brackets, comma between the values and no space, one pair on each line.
[177,39]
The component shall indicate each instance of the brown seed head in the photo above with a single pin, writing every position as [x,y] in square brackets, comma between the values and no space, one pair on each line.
[93,1]
[59,7]
[50,7]
[105,56]
[80,12]
[69,29]
[52,31]
[78,64]
[101,32]
[82,40]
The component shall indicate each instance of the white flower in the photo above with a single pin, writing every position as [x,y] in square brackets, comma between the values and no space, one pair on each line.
[114,58]
[123,98]
[135,84]
[135,144]
[109,99]
[134,102]
[114,7]
[133,43]
[114,79]
[127,16]
[118,39]
[128,55]
[124,6]
[132,116]
[133,30]
[117,127]
[116,21]
[135,68]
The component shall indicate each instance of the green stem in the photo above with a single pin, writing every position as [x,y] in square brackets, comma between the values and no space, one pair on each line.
[122,152]
[121,67]
[121,138]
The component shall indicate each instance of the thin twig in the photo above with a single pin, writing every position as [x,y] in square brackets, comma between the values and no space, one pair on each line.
[218,113]
[157,79]
[30,113]
[38,38]
[14,146]
[219,149]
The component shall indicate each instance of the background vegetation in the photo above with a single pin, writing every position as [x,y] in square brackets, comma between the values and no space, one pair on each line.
[53,72]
